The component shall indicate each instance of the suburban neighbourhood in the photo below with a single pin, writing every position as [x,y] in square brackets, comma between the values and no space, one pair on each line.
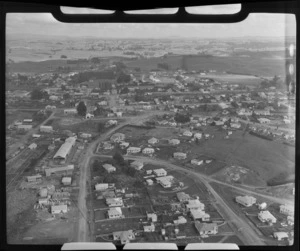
[150,144]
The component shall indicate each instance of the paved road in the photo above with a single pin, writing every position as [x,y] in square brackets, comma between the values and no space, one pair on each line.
[83,233]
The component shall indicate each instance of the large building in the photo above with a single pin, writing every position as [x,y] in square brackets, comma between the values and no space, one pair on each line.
[266,216]
[65,148]
[46,129]
[287,210]
[62,170]
[59,209]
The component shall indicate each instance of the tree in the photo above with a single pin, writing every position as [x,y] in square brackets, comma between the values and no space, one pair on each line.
[81,108]
[63,56]
[119,158]
[182,118]
[164,66]
[126,102]
[63,88]
[123,78]
[124,90]
[66,96]
[37,94]
[95,60]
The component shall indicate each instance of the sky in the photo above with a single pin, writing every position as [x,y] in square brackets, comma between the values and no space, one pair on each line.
[255,25]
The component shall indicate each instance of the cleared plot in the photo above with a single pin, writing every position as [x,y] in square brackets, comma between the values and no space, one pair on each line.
[12,116]
[76,125]
[100,215]
[109,226]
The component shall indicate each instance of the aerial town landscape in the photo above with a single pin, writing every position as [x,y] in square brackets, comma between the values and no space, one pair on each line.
[149,140]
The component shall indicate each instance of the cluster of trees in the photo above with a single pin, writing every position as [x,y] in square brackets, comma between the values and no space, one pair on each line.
[269,83]
[124,90]
[126,168]
[182,118]
[95,60]
[63,56]
[81,108]
[38,94]
[164,66]
[123,78]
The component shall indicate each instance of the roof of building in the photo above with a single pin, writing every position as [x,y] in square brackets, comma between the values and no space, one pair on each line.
[266,215]
[183,196]
[159,170]
[281,235]
[197,213]
[66,179]
[113,200]
[115,210]
[63,151]
[205,226]
[59,207]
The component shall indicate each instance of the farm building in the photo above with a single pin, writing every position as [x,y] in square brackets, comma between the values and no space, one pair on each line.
[133,149]
[152,217]
[180,220]
[65,148]
[109,168]
[63,170]
[117,137]
[70,111]
[101,186]
[46,129]
[66,181]
[59,209]
[32,146]
[24,127]
[179,155]
[174,141]
[160,172]
[124,236]
[138,165]
[206,228]
[115,213]
[114,202]
[199,214]
[266,216]
[280,235]
[183,197]
[165,181]
[34,178]
[287,210]
[195,204]
[196,162]
[148,150]
[150,228]
[149,182]
[153,141]
[246,201]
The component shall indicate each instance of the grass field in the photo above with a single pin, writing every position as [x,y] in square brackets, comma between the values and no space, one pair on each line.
[20,115]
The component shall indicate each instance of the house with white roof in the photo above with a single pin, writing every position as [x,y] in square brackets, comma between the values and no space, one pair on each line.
[124,236]
[165,181]
[149,182]
[264,120]
[117,137]
[138,165]
[266,216]
[198,135]
[160,172]
[133,149]
[287,210]
[206,228]
[115,213]
[57,209]
[198,214]
[187,133]
[246,201]
[179,155]
[124,144]
[109,168]
[180,220]
[153,141]
[194,204]
[114,202]
[148,150]
[196,162]
[174,141]
[101,186]
[183,197]
[32,146]
[280,235]
[46,128]
[152,217]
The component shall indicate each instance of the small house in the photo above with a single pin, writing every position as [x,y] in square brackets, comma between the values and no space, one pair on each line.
[59,209]
[194,204]
[179,155]
[174,141]
[109,168]
[266,216]
[114,202]
[183,197]
[187,133]
[66,181]
[280,235]
[287,210]
[150,228]
[32,146]
[148,150]
[115,213]
[196,162]
[198,214]
[133,149]
[101,186]
[206,228]
[47,129]
[124,236]
[246,201]
[138,165]
[160,172]
[149,182]
[153,141]
[152,217]
[34,178]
